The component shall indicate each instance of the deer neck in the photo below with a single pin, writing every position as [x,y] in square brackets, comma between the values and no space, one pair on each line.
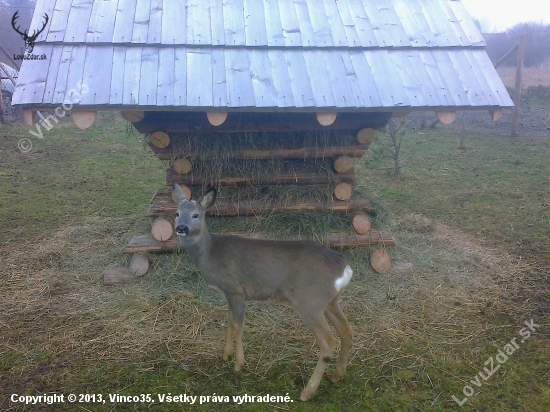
[198,248]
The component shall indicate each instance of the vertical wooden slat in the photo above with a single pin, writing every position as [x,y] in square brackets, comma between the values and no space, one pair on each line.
[219,81]
[341,23]
[76,71]
[362,23]
[426,68]
[58,20]
[180,76]
[216,22]
[117,75]
[451,76]
[466,22]
[233,18]
[199,77]
[254,23]
[78,21]
[289,23]
[37,22]
[281,78]
[174,22]
[32,77]
[148,77]
[154,34]
[306,29]
[97,74]
[338,80]
[352,79]
[320,24]
[392,24]
[265,94]
[141,22]
[318,76]
[239,84]
[274,28]
[62,74]
[414,23]
[198,22]
[124,21]
[367,84]
[165,81]
[132,75]
[51,79]
[299,80]
[102,21]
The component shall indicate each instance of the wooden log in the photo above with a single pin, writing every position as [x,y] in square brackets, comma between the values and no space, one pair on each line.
[342,164]
[28,115]
[162,230]
[312,152]
[187,190]
[216,118]
[446,117]
[342,191]
[238,122]
[299,177]
[182,166]
[361,223]
[146,243]
[83,120]
[118,276]
[326,119]
[133,116]
[366,136]
[495,114]
[160,140]
[380,261]
[163,205]
[139,264]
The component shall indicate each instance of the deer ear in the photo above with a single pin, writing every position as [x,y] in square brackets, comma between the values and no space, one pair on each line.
[179,194]
[208,198]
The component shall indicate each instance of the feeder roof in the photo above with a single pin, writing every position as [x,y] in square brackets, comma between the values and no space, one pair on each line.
[284,55]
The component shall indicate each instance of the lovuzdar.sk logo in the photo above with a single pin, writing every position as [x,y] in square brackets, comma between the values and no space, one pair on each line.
[29,39]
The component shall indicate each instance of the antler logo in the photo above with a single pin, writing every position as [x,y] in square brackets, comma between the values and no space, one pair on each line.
[29,40]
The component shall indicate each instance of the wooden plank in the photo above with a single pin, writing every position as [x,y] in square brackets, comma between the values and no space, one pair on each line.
[362,23]
[154,34]
[102,21]
[124,21]
[58,20]
[239,79]
[38,19]
[162,204]
[338,79]
[284,178]
[407,79]
[51,79]
[141,22]
[431,94]
[62,74]
[148,77]
[352,79]
[132,74]
[467,77]
[454,22]
[274,28]
[219,81]
[97,74]
[180,76]
[198,22]
[390,89]
[342,24]
[117,75]
[199,77]
[146,243]
[299,80]
[494,81]
[216,22]
[77,23]
[174,22]
[281,78]
[446,97]
[318,75]
[261,71]
[468,25]
[173,152]
[481,77]
[392,24]
[254,23]
[165,81]
[448,72]
[233,18]
[414,23]
[378,24]
[444,34]
[32,77]
[304,22]
[289,23]
[76,71]
[367,84]
[320,24]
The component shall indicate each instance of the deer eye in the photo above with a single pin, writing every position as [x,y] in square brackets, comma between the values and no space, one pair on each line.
[196,216]
[177,215]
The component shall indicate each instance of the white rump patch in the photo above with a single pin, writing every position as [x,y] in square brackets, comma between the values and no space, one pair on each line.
[342,282]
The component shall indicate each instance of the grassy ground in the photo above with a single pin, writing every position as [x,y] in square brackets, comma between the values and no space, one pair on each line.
[473,220]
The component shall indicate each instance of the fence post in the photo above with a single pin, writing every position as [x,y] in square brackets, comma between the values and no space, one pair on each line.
[517,91]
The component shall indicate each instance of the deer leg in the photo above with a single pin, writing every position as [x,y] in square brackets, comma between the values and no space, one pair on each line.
[319,326]
[338,319]
[228,351]
[237,307]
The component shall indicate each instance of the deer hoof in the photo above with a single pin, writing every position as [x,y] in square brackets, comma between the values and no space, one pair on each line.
[336,377]
[306,395]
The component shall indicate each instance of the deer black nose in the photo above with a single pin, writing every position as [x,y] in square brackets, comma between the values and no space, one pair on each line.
[182,230]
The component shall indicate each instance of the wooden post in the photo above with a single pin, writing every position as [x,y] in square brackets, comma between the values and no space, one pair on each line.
[1,105]
[517,92]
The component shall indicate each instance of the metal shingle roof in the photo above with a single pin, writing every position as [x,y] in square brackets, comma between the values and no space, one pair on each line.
[281,54]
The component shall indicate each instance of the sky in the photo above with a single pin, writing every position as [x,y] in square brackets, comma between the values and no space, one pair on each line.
[499,15]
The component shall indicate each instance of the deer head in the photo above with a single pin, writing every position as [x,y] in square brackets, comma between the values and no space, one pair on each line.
[29,40]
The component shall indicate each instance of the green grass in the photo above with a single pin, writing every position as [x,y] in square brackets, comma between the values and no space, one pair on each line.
[474,222]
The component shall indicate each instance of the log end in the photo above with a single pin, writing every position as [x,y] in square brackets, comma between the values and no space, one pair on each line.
[139,264]
[162,229]
[160,139]
[342,191]
[361,224]
[133,116]
[182,166]
[380,261]
[366,136]
[83,120]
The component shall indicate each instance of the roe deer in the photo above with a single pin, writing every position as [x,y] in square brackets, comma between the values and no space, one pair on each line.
[306,275]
